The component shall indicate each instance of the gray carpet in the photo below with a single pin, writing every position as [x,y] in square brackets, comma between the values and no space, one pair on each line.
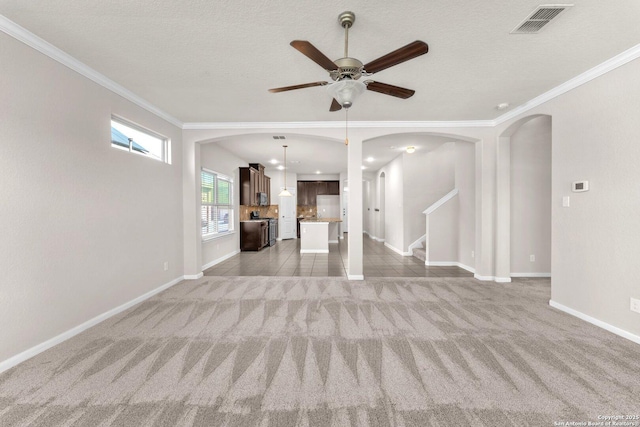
[264,351]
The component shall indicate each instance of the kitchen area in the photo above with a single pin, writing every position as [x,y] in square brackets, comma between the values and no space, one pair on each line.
[317,212]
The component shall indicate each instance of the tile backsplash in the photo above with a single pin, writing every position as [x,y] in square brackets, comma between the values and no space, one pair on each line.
[265,211]
[306,211]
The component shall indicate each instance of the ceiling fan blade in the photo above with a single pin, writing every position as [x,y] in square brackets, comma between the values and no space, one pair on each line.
[398,56]
[311,52]
[302,86]
[398,92]
[335,106]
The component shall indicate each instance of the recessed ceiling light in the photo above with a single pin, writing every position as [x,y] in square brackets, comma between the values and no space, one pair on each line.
[502,106]
[280,167]
[318,172]
[273,161]
[370,159]
[411,149]
[363,167]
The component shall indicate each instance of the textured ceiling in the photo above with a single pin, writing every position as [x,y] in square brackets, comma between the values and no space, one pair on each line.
[213,61]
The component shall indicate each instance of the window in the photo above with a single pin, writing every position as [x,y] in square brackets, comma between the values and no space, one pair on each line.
[129,137]
[217,204]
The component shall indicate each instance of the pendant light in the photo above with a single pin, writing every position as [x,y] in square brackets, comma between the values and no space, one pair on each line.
[285,192]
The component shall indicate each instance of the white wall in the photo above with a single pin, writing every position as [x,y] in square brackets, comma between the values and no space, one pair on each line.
[531,197]
[428,176]
[217,159]
[393,209]
[596,241]
[444,232]
[85,227]
[465,182]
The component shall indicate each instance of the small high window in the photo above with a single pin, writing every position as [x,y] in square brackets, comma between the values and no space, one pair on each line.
[129,137]
[217,204]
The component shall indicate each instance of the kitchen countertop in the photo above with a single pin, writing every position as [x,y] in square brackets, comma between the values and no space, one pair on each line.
[320,219]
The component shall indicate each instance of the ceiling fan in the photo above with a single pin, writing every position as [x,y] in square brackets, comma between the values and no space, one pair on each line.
[346,72]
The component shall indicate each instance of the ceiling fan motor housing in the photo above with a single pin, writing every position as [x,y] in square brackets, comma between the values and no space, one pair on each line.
[349,68]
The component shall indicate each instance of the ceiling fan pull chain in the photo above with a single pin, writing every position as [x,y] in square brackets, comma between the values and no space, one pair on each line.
[346,126]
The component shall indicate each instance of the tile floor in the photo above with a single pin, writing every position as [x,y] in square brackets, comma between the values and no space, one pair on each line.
[285,259]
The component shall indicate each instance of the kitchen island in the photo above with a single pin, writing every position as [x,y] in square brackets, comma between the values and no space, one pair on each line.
[317,233]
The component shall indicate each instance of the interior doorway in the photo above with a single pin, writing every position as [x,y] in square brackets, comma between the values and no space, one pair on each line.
[381,210]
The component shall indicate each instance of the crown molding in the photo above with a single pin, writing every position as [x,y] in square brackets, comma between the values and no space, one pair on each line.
[21,34]
[337,125]
[595,72]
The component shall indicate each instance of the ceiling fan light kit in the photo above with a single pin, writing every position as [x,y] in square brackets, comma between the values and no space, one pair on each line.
[346,71]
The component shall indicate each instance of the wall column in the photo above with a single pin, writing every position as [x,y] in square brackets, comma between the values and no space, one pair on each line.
[503,210]
[354,175]
[191,210]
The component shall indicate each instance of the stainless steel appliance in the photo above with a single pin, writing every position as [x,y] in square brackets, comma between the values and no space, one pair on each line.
[272,224]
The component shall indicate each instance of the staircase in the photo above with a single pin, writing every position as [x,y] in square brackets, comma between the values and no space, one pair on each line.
[417,250]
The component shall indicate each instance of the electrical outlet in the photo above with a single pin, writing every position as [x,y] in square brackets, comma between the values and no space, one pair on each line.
[532,258]
[166,265]
[635,305]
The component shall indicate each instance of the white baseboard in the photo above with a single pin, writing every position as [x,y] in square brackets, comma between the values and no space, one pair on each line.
[396,250]
[484,278]
[503,279]
[193,276]
[33,351]
[334,241]
[314,251]
[530,274]
[355,277]
[219,260]
[449,264]
[417,244]
[596,322]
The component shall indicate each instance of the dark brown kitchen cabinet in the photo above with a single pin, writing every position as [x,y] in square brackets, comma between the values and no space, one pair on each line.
[248,187]
[254,181]
[309,190]
[254,235]
[333,188]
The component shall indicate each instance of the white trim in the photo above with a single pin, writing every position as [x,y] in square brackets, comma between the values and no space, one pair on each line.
[396,250]
[314,251]
[597,71]
[334,241]
[449,264]
[193,276]
[596,322]
[530,274]
[484,278]
[219,260]
[417,244]
[355,277]
[502,279]
[444,199]
[35,350]
[46,48]
[338,125]
[30,39]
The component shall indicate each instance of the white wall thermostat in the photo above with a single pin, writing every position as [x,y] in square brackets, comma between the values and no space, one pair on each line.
[580,186]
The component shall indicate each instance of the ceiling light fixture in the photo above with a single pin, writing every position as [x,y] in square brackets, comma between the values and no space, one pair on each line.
[285,192]
[273,161]
[411,149]
[370,159]
[346,91]
[502,106]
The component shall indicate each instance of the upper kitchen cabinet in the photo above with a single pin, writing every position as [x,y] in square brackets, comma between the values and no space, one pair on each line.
[254,182]
[309,190]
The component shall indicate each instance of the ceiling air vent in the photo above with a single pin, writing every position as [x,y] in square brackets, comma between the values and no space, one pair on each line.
[278,137]
[540,17]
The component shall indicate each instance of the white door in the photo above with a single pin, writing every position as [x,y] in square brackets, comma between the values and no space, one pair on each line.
[287,211]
